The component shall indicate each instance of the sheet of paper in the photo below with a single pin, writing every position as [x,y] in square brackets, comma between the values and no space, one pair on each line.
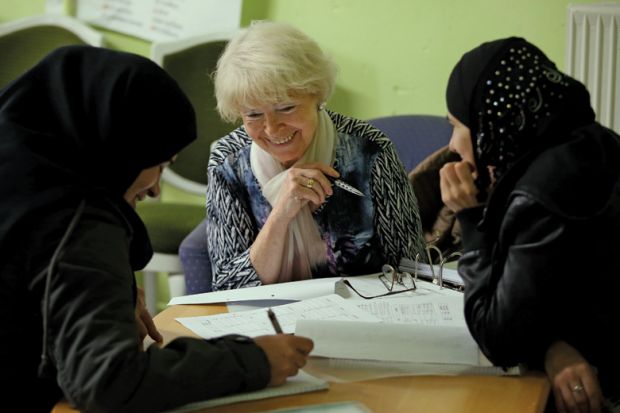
[255,322]
[161,20]
[390,342]
[300,383]
[427,310]
[294,290]
[348,370]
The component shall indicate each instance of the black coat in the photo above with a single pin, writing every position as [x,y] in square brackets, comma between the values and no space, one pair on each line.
[92,335]
[81,125]
[541,261]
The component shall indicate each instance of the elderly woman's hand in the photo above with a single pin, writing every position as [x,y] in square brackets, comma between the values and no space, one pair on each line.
[307,183]
[457,184]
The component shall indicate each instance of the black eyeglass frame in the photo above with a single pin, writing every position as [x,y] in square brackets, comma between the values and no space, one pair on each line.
[396,280]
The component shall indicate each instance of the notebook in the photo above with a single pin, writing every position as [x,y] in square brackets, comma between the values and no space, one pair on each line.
[404,348]
[301,383]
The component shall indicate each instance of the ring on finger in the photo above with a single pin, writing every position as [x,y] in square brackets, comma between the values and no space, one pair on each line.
[310,183]
[577,388]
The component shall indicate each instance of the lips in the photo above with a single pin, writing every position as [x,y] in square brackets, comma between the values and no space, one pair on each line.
[282,141]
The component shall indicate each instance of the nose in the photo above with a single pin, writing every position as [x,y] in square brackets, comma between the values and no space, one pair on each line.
[272,125]
[154,190]
[452,144]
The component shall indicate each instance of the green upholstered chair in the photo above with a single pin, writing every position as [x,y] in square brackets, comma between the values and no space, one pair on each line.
[25,41]
[190,61]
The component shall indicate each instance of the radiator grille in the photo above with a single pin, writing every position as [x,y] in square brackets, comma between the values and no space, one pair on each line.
[593,57]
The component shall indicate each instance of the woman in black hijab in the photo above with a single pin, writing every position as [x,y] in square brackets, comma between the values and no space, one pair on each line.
[83,135]
[537,194]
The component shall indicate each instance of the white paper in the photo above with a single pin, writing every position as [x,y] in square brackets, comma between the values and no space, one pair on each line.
[426,310]
[255,322]
[294,290]
[390,342]
[160,20]
[302,382]
[348,370]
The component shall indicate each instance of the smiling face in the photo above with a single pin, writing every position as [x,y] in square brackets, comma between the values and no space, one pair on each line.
[146,184]
[286,129]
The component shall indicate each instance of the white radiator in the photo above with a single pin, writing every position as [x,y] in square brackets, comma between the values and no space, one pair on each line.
[593,56]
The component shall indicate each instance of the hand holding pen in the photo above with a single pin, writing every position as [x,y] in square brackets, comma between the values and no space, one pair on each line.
[316,182]
[286,353]
[306,184]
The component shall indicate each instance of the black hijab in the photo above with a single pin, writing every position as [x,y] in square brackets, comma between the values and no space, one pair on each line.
[85,121]
[514,101]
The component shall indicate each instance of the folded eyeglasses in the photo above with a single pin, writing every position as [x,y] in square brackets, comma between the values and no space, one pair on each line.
[395,282]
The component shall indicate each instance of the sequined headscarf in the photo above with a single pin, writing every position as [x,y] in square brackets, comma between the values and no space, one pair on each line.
[514,101]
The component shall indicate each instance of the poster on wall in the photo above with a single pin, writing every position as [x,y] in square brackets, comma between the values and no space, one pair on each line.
[160,20]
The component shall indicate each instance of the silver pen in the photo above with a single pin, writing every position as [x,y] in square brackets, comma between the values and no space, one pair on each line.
[347,187]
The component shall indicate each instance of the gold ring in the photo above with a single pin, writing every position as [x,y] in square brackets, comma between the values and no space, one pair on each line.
[577,388]
[310,183]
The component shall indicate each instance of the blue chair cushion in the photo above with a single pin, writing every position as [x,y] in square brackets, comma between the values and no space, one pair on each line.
[194,255]
[414,136]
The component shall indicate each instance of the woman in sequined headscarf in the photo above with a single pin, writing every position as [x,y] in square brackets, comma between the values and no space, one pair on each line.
[537,194]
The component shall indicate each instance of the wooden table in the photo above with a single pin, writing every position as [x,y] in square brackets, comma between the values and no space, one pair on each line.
[426,394]
[411,394]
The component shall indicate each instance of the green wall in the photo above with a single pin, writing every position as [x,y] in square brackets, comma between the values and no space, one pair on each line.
[394,55]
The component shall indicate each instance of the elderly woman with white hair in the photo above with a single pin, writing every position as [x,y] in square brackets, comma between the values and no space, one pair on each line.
[277,208]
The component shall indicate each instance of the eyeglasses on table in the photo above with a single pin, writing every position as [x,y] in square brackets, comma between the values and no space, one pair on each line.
[395,282]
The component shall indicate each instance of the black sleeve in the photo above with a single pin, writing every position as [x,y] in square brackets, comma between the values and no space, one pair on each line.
[94,342]
[507,297]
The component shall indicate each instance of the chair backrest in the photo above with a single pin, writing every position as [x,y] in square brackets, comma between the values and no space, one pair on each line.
[26,41]
[190,62]
[414,136]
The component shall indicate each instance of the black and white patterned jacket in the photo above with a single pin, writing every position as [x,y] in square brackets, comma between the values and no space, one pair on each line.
[361,233]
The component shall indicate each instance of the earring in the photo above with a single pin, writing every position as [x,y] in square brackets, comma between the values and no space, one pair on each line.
[322,106]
